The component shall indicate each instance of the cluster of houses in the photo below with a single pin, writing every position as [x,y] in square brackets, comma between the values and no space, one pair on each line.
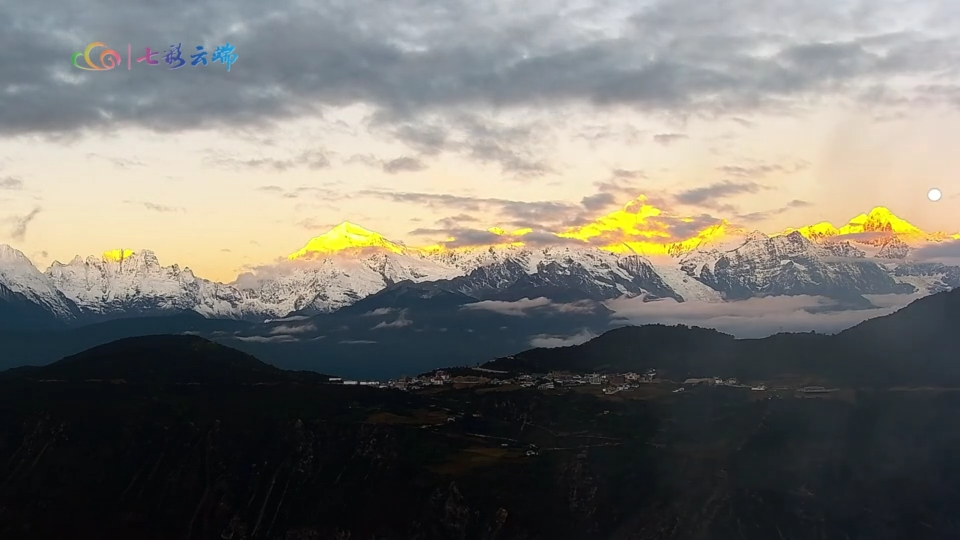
[717,381]
[437,378]
[612,383]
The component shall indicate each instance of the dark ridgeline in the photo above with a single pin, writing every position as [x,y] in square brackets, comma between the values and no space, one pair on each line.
[39,345]
[916,346]
[380,336]
[192,445]
[157,360]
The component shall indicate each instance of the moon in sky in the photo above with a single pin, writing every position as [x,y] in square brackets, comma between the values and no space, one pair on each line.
[934,194]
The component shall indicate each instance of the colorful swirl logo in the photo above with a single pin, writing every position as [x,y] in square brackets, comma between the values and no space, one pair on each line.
[109,58]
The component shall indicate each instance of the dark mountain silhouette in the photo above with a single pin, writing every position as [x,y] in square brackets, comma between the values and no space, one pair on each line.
[294,460]
[174,359]
[915,346]
[39,347]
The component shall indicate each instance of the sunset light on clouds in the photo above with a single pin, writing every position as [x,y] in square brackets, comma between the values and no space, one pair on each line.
[629,126]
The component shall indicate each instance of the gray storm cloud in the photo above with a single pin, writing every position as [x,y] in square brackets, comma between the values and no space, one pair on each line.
[407,58]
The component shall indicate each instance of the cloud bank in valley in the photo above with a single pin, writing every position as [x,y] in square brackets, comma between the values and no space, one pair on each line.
[756,317]
[944,253]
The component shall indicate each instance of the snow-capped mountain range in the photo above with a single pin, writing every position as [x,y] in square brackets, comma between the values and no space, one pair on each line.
[349,263]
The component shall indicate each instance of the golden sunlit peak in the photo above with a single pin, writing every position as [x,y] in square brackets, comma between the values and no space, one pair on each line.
[639,227]
[636,228]
[117,255]
[879,220]
[345,236]
[634,219]
[818,231]
[346,227]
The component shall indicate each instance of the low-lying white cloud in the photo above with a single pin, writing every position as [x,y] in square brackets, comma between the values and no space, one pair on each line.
[287,329]
[947,253]
[551,341]
[379,312]
[756,317]
[520,308]
[584,306]
[401,321]
[278,338]
[516,308]
[267,339]
[292,318]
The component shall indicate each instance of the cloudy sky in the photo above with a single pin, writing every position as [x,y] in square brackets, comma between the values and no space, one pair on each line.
[415,118]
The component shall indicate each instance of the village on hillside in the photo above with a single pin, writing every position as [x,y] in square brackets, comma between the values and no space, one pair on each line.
[609,384]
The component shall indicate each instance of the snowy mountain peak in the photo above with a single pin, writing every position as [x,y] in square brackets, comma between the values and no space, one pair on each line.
[117,255]
[722,236]
[18,274]
[643,229]
[124,282]
[793,242]
[759,236]
[10,254]
[346,227]
[125,260]
[345,237]
[816,232]
[879,221]
[117,260]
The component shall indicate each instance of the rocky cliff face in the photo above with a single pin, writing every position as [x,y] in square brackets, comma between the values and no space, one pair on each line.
[580,274]
[790,265]
[894,248]
[136,285]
